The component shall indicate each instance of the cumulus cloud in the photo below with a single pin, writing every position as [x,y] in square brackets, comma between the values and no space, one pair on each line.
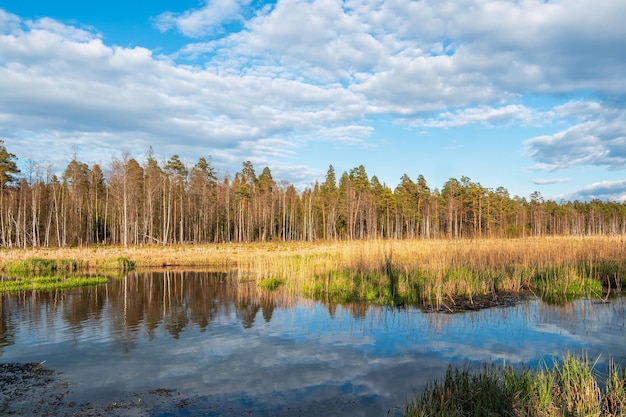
[204,21]
[484,115]
[407,58]
[297,71]
[600,141]
[604,190]
[8,22]
[63,84]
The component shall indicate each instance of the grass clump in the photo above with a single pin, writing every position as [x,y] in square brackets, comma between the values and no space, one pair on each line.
[558,285]
[41,266]
[44,266]
[119,263]
[271,284]
[48,283]
[569,388]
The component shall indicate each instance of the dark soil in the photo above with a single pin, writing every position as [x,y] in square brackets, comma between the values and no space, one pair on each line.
[480,302]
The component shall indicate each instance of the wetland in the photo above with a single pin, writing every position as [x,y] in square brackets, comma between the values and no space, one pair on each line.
[357,329]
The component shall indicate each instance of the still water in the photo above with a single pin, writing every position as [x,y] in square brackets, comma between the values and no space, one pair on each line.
[231,346]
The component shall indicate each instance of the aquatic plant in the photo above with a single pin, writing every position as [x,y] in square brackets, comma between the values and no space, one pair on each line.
[271,284]
[48,283]
[119,263]
[46,266]
[567,388]
[41,266]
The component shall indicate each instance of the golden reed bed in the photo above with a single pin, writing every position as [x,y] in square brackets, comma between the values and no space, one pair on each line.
[404,255]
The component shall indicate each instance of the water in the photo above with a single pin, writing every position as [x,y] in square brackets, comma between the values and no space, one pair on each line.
[230,346]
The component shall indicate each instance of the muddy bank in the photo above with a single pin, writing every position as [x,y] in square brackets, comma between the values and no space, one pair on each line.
[479,302]
[33,389]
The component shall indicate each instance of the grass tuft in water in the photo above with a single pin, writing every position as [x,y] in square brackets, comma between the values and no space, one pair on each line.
[120,263]
[48,283]
[569,388]
[41,266]
[271,284]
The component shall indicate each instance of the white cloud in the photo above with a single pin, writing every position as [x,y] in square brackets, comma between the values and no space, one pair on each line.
[484,115]
[604,190]
[548,181]
[52,27]
[63,85]
[8,22]
[600,141]
[303,70]
[204,21]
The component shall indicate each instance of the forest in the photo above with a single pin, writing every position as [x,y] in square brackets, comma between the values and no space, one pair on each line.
[130,203]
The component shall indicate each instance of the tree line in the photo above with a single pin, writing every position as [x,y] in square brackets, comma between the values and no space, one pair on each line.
[128,202]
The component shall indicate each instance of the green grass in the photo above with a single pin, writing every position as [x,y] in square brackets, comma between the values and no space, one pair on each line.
[119,263]
[450,285]
[568,388]
[271,284]
[48,283]
[41,266]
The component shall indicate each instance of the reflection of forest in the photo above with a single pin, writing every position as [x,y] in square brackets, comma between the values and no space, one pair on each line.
[141,302]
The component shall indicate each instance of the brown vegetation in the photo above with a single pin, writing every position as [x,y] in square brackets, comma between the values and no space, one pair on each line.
[388,271]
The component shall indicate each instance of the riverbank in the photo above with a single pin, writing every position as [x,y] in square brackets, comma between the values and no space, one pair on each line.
[366,253]
[436,273]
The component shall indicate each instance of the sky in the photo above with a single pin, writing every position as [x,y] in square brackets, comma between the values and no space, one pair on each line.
[525,94]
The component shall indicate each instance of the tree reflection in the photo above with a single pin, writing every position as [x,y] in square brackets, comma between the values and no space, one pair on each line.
[7,323]
[145,302]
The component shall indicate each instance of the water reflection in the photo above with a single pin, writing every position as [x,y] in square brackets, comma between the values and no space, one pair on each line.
[232,344]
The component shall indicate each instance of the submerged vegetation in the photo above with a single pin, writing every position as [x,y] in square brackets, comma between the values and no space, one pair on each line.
[568,388]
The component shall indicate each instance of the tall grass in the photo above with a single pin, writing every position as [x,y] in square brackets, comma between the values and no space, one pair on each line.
[432,272]
[444,273]
[569,388]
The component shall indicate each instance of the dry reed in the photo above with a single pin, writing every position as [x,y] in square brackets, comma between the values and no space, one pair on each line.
[431,271]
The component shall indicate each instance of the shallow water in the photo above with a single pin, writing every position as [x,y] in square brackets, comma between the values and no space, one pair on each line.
[232,348]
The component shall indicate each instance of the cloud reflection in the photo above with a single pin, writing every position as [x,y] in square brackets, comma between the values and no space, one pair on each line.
[228,345]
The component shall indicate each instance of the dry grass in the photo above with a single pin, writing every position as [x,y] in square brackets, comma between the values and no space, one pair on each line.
[359,255]
[436,270]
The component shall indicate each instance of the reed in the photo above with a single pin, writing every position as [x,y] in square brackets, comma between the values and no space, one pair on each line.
[433,272]
[568,388]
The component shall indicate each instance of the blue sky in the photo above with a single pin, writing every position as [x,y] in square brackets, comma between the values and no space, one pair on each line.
[525,94]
